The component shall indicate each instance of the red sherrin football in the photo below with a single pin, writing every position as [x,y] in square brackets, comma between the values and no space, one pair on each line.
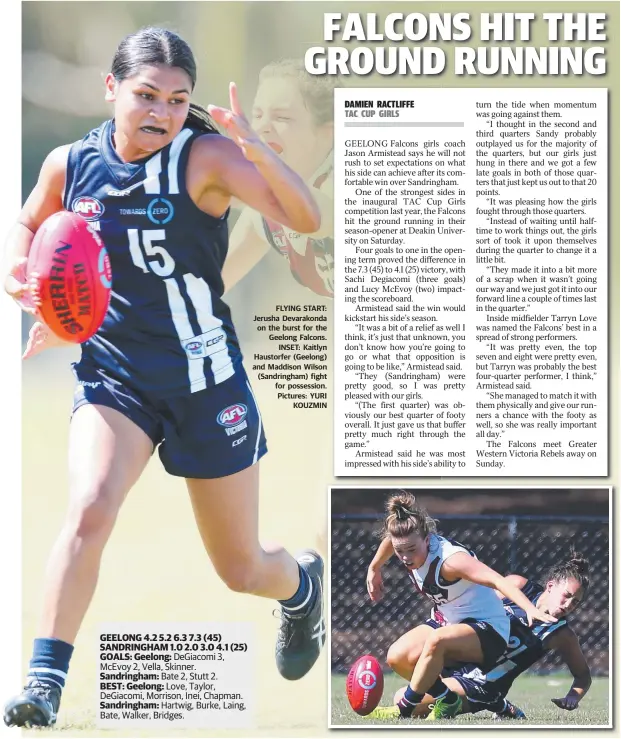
[365,684]
[75,276]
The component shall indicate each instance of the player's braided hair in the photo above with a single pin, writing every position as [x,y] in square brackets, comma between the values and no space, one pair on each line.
[150,46]
[405,517]
[317,91]
[576,567]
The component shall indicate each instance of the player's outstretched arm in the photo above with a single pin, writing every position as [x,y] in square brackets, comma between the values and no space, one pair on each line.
[43,201]
[463,565]
[375,583]
[517,580]
[566,643]
[246,168]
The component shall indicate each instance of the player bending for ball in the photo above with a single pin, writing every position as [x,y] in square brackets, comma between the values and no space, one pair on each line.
[566,587]
[165,367]
[477,627]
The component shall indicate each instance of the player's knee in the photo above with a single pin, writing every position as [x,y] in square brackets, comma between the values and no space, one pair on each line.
[403,657]
[241,577]
[92,516]
[396,655]
[434,644]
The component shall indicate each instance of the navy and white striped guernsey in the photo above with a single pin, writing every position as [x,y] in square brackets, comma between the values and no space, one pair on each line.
[526,646]
[167,331]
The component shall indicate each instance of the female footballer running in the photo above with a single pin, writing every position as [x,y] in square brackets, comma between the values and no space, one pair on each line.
[166,362]
[476,627]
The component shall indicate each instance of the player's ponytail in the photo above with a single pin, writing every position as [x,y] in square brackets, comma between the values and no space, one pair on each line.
[579,566]
[200,119]
[150,46]
[576,567]
[404,517]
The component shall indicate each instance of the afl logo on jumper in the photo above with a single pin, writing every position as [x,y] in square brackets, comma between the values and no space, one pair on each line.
[160,211]
[89,208]
[194,348]
[232,415]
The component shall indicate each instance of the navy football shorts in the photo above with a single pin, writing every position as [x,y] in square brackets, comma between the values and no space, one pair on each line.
[481,695]
[212,433]
[492,644]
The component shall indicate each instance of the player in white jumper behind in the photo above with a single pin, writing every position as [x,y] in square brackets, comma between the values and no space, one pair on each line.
[475,625]
[293,113]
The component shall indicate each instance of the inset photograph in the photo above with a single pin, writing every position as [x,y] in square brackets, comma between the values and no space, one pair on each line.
[465,606]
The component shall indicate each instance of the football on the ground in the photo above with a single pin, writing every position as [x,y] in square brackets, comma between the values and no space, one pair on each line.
[74,276]
[365,684]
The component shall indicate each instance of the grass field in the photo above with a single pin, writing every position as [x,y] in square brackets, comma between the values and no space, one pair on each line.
[531,693]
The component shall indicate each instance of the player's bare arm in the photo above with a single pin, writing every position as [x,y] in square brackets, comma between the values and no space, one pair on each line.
[244,167]
[324,198]
[44,200]
[247,247]
[463,565]
[269,186]
[566,643]
[375,584]
[516,580]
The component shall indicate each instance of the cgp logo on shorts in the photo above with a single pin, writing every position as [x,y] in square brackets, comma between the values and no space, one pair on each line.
[233,418]
[160,211]
[89,208]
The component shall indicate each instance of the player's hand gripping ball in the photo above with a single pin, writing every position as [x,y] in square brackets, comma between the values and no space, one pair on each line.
[365,685]
[73,276]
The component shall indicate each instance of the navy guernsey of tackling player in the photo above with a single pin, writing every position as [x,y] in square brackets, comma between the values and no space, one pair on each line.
[475,625]
[165,368]
[566,587]
[526,645]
